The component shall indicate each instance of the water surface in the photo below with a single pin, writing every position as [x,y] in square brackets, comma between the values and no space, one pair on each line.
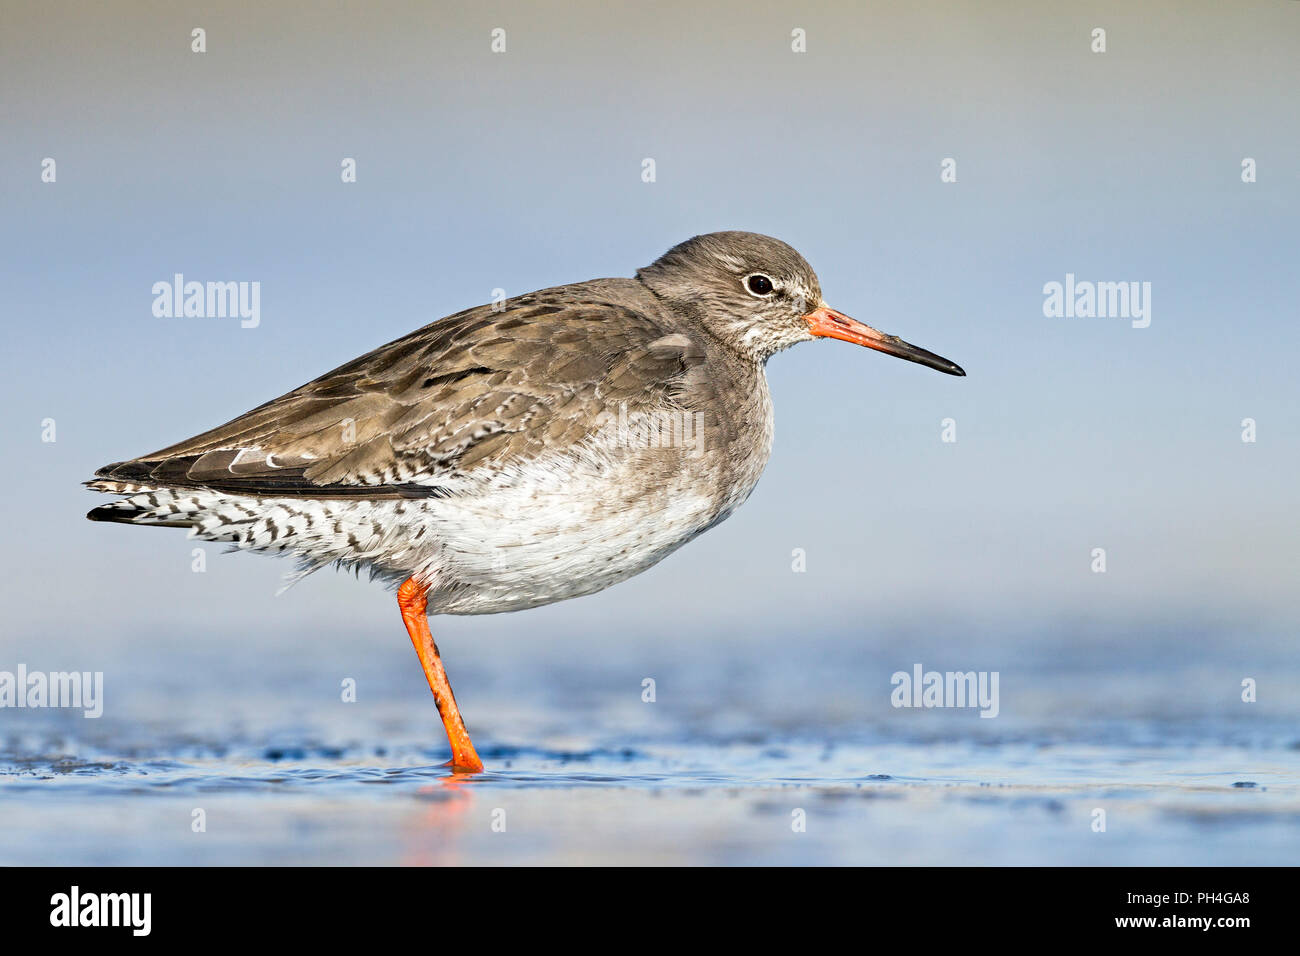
[736,749]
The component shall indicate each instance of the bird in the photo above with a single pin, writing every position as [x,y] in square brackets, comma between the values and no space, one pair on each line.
[516,454]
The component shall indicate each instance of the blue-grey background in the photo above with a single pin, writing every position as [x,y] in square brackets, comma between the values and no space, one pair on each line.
[523,169]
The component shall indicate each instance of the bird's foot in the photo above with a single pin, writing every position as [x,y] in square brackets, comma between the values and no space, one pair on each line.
[465,764]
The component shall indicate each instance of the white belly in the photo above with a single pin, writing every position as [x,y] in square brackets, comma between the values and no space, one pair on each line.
[524,536]
[557,537]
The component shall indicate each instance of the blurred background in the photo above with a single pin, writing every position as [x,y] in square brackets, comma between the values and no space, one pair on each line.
[522,169]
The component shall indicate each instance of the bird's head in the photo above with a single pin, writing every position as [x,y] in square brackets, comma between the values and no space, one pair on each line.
[759,296]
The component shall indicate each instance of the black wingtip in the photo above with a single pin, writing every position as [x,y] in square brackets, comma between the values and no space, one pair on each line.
[123,471]
[109,513]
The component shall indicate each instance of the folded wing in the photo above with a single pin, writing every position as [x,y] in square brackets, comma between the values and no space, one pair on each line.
[421,414]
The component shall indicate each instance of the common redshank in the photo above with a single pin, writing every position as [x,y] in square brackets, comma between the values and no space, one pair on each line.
[515,454]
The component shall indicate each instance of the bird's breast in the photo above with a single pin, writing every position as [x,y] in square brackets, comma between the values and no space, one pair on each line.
[576,523]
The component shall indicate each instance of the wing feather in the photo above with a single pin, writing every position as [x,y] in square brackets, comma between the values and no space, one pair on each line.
[445,402]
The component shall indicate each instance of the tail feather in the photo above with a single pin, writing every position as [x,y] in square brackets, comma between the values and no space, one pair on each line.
[350,533]
[112,512]
[128,512]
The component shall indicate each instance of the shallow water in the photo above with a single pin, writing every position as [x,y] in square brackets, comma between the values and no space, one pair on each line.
[734,750]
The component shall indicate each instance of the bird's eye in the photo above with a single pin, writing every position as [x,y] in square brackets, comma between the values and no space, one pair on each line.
[759,284]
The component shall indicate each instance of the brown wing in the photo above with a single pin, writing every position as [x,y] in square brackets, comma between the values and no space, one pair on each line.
[475,388]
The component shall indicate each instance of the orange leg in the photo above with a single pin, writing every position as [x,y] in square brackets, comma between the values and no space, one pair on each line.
[413,600]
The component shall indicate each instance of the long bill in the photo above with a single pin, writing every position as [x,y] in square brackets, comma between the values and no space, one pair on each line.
[825,322]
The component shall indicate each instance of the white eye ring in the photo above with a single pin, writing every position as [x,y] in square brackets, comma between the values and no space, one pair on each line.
[749,283]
